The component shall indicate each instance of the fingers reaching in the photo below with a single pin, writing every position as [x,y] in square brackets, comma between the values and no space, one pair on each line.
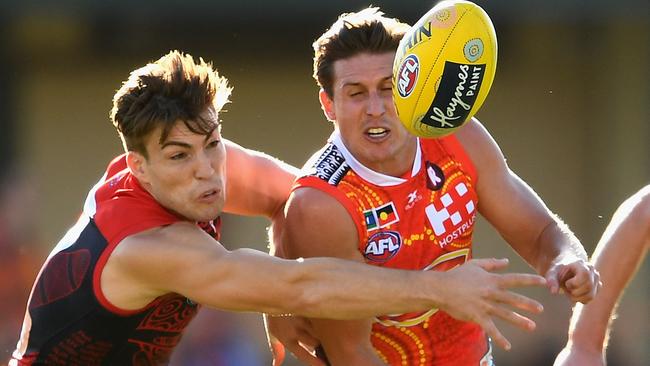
[509,280]
[514,318]
[494,333]
[518,301]
[491,264]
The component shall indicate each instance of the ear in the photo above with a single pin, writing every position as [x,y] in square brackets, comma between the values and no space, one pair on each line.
[327,105]
[136,163]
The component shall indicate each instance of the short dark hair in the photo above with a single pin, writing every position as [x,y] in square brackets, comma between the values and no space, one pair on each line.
[366,31]
[173,88]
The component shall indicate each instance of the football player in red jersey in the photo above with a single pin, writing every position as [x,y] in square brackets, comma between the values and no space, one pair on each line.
[376,194]
[124,282]
[618,255]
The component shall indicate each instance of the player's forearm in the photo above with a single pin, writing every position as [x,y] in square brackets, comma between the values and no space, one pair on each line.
[590,323]
[619,253]
[317,287]
[341,289]
[555,244]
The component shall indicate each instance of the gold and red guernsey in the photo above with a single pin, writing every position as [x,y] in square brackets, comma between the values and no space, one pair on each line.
[422,222]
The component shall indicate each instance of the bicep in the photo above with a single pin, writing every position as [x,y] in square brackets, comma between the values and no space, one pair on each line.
[238,280]
[256,183]
[183,259]
[513,208]
[160,261]
[505,200]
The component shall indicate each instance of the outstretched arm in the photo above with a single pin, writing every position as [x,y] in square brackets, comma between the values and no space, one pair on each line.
[619,253]
[181,258]
[525,222]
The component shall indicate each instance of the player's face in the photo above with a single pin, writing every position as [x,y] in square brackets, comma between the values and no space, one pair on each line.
[186,173]
[362,109]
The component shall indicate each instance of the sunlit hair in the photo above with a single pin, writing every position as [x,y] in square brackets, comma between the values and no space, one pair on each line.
[173,88]
[366,31]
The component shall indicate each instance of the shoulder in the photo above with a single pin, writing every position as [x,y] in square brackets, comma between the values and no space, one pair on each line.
[317,224]
[328,165]
[482,149]
[307,203]
[127,209]
[475,138]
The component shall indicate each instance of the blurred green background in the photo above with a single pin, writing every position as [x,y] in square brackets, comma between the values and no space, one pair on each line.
[570,108]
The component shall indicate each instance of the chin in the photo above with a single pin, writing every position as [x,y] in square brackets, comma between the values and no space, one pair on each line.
[211,215]
[201,215]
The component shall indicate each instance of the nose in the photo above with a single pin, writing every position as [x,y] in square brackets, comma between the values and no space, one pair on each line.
[204,168]
[376,106]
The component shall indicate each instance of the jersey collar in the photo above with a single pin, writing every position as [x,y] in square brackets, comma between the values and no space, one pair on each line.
[370,175]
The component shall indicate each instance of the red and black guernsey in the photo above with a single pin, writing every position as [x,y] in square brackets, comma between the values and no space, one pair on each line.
[68,319]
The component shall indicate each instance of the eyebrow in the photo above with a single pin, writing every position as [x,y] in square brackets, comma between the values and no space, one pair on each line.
[383,80]
[175,143]
[184,144]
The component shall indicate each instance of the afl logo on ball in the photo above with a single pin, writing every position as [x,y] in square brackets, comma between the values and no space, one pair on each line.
[382,246]
[408,75]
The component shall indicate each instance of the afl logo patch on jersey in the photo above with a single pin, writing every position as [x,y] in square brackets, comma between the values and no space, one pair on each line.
[435,176]
[382,246]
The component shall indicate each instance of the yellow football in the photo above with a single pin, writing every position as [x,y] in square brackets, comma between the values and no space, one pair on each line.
[444,68]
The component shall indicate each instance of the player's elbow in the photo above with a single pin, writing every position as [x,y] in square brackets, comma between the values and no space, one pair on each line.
[301,297]
[298,305]
[308,291]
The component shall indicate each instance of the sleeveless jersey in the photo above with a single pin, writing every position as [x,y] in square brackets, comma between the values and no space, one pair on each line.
[424,222]
[68,319]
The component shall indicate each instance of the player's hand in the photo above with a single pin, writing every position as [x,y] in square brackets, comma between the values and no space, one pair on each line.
[573,355]
[477,295]
[294,333]
[576,277]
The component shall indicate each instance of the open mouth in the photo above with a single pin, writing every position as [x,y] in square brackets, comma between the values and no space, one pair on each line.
[208,194]
[377,132]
